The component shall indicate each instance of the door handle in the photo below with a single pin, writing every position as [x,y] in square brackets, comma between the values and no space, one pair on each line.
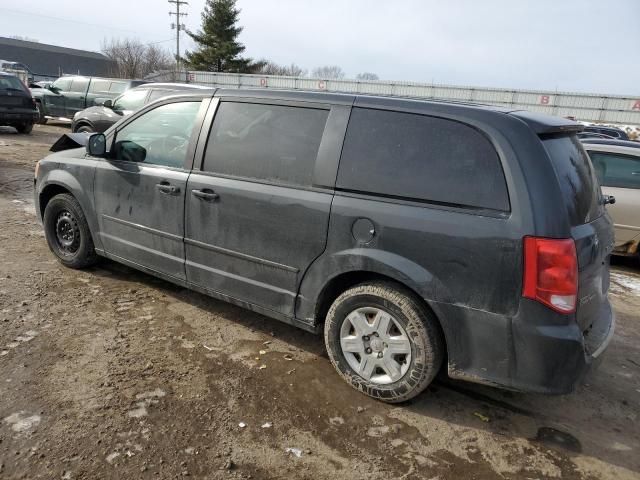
[206,194]
[167,188]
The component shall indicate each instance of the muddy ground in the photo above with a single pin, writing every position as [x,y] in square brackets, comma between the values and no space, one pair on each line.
[111,373]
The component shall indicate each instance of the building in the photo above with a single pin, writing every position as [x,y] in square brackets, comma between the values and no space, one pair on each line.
[50,61]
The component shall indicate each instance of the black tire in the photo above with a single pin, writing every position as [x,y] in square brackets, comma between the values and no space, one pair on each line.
[63,217]
[85,128]
[24,128]
[41,118]
[421,328]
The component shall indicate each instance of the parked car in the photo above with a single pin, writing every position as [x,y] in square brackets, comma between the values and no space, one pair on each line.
[617,165]
[609,131]
[101,117]
[17,108]
[413,233]
[70,94]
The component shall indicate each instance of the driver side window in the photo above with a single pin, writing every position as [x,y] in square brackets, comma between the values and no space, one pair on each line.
[159,137]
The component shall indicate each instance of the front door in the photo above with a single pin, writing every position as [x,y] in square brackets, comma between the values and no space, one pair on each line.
[140,189]
[254,222]
[76,97]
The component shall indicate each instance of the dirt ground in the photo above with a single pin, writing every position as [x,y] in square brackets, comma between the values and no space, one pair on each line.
[111,373]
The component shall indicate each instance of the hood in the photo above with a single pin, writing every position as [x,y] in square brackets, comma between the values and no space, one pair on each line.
[69,141]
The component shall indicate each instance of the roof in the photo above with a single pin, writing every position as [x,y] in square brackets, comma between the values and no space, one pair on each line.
[175,86]
[50,48]
[610,142]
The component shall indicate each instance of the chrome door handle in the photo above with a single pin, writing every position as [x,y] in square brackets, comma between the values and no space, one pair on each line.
[168,189]
[206,194]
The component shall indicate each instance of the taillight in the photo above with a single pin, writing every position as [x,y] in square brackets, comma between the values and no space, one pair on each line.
[551,272]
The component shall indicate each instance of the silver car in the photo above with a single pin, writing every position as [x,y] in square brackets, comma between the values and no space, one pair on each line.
[617,165]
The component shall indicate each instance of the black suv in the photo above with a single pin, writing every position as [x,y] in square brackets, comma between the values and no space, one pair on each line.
[17,108]
[415,234]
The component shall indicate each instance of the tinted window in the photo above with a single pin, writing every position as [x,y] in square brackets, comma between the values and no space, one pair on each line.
[10,82]
[99,86]
[79,85]
[63,84]
[422,158]
[131,100]
[160,136]
[118,87]
[266,142]
[615,170]
[576,176]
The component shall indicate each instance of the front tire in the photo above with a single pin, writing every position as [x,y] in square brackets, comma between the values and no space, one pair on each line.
[67,232]
[84,128]
[383,341]
[41,118]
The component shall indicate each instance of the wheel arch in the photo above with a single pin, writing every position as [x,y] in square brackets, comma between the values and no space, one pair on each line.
[82,122]
[56,182]
[327,278]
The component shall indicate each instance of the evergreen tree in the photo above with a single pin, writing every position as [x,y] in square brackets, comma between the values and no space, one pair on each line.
[218,48]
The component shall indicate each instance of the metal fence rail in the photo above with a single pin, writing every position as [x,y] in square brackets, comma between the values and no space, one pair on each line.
[590,107]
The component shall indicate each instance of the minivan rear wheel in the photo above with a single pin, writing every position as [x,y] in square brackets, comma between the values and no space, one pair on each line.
[67,232]
[383,341]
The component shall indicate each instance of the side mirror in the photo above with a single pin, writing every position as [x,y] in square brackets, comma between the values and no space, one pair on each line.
[97,145]
[52,88]
[107,103]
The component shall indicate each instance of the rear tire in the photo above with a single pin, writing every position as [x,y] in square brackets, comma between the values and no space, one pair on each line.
[67,232]
[24,128]
[402,347]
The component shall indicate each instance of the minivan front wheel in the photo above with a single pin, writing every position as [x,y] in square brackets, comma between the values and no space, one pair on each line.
[67,232]
[383,341]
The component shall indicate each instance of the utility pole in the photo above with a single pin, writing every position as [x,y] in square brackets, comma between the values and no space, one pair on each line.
[178,27]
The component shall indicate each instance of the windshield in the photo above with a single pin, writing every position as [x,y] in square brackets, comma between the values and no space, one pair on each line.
[11,83]
[578,181]
[132,100]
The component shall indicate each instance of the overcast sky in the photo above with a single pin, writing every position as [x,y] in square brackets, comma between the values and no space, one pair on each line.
[570,45]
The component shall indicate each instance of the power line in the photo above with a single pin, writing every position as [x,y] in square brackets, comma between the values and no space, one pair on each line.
[31,14]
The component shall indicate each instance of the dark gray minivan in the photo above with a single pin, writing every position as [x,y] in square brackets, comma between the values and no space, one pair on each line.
[413,233]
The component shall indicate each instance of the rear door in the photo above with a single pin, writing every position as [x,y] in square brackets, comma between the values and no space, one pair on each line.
[619,175]
[140,188]
[591,228]
[255,218]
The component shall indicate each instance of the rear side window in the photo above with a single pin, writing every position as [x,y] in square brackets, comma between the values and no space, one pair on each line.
[265,142]
[615,170]
[421,158]
[576,176]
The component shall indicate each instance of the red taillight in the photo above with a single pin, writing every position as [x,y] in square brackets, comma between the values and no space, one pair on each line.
[551,272]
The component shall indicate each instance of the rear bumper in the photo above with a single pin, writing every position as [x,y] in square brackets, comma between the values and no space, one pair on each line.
[18,116]
[535,351]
